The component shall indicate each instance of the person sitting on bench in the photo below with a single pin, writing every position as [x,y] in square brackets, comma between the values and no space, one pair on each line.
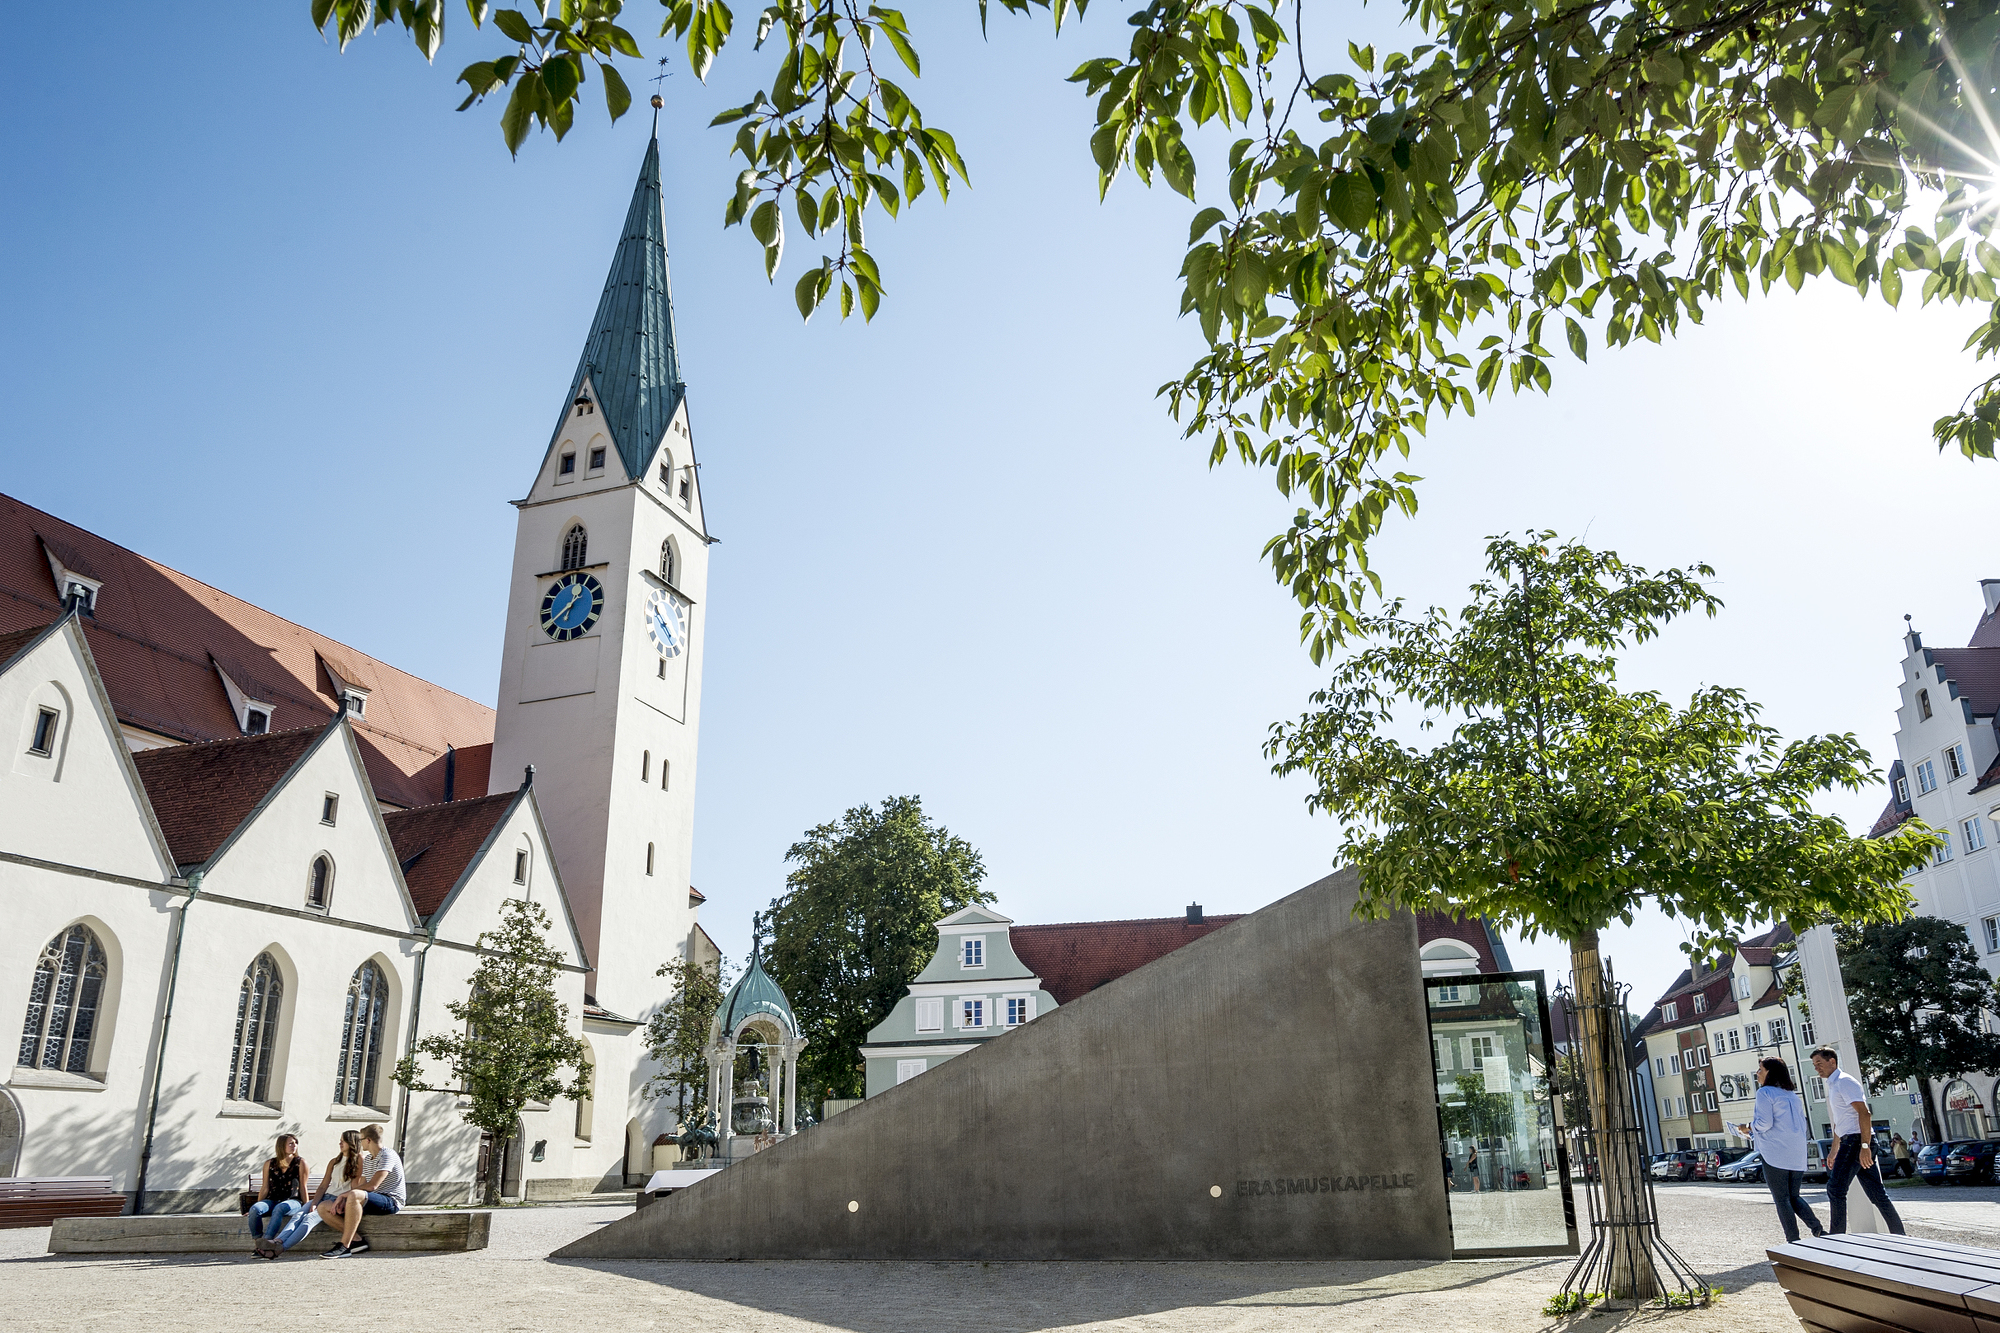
[343,1173]
[380,1191]
[281,1199]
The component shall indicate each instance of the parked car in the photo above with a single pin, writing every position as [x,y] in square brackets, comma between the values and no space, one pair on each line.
[1718,1158]
[1749,1167]
[1931,1162]
[1676,1165]
[1970,1162]
[1816,1155]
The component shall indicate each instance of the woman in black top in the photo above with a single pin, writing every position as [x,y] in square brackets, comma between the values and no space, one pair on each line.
[282,1200]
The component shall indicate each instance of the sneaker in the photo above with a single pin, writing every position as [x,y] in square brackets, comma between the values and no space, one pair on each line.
[337,1252]
[359,1246]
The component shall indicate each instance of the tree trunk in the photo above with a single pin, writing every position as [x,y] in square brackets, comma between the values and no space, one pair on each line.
[1933,1127]
[1620,1152]
[496,1168]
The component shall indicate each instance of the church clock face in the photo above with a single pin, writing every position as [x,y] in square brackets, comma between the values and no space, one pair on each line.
[666,623]
[571,606]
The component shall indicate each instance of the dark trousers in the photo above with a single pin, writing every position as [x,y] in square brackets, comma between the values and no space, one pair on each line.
[1791,1208]
[1847,1168]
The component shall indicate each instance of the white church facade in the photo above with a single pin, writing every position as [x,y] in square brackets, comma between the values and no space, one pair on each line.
[244,867]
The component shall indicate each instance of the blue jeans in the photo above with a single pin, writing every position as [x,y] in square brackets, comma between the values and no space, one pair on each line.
[1784,1187]
[283,1215]
[1847,1168]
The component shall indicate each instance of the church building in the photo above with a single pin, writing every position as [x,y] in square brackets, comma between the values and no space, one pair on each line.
[245,866]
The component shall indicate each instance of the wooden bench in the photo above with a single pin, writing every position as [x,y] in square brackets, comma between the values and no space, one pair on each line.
[207,1233]
[1890,1284]
[36,1201]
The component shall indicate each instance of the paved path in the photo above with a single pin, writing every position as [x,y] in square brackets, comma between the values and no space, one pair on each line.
[513,1286]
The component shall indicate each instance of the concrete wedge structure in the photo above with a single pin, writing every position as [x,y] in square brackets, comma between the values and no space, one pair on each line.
[1263,1093]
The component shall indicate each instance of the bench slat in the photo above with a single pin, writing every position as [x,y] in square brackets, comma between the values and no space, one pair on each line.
[1838,1320]
[1877,1303]
[1935,1288]
[1920,1247]
[206,1233]
[1836,1251]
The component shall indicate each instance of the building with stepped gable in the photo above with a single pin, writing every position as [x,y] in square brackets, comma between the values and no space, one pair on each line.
[245,866]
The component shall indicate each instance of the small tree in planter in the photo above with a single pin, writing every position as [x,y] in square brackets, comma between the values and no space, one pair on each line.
[516,1039]
[1558,803]
[677,1038]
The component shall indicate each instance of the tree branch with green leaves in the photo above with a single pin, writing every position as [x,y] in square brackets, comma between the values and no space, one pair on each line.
[1402,234]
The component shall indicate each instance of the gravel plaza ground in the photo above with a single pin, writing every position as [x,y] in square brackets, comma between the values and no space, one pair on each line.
[512,1285]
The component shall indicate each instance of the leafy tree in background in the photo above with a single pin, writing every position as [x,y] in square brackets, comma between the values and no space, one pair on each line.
[1558,803]
[677,1034]
[1917,998]
[857,922]
[1404,231]
[515,1038]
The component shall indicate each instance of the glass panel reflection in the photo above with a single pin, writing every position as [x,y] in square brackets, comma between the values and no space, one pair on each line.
[1503,1173]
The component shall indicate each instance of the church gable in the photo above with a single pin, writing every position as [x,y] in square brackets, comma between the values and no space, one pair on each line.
[511,861]
[68,786]
[287,820]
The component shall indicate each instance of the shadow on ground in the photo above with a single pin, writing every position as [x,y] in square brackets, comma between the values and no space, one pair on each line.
[879,1297]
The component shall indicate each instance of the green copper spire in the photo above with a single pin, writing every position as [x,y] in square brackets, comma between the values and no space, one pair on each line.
[629,360]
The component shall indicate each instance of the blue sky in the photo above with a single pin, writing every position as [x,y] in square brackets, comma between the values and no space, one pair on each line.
[279,318]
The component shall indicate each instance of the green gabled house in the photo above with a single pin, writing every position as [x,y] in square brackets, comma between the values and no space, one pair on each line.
[974,989]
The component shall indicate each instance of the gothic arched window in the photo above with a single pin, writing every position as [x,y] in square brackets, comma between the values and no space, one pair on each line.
[319,882]
[257,1007]
[576,545]
[361,1037]
[62,1003]
[667,561]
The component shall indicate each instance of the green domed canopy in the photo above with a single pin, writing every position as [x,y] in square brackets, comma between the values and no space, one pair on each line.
[754,995]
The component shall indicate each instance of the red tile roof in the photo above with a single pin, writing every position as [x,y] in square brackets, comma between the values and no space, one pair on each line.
[158,635]
[15,640]
[435,843]
[1077,957]
[203,792]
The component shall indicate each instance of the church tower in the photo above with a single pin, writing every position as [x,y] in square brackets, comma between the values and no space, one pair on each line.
[600,685]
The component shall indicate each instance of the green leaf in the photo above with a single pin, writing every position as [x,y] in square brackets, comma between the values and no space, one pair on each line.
[514,121]
[904,50]
[561,77]
[1351,199]
[1578,343]
[514,25]
[1203,221]
[617,97]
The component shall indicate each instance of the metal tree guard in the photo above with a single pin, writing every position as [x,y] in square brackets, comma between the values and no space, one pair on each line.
[1633,1244]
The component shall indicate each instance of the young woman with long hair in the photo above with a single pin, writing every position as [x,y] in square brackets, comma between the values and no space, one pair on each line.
[1778,1128]
[280,1218]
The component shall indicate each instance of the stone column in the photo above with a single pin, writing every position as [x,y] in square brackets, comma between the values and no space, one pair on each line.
[791,1091]
[725,1108]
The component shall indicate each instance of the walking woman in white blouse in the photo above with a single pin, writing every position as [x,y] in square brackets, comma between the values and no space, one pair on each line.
[1778,1128]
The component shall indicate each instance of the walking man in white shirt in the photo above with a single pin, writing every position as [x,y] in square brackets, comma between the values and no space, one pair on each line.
[1851,1158]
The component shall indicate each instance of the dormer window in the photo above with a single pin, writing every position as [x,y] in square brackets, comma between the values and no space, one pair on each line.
[1701,1004]
[82,595]
[568,465]
[256,722]
[1670,1013]
[357,703]
[596,460]
[972,951]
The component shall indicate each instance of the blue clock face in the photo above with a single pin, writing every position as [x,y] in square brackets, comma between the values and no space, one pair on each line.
[572,606]
[666,622]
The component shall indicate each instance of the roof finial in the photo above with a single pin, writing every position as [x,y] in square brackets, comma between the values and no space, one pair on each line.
[659,101]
